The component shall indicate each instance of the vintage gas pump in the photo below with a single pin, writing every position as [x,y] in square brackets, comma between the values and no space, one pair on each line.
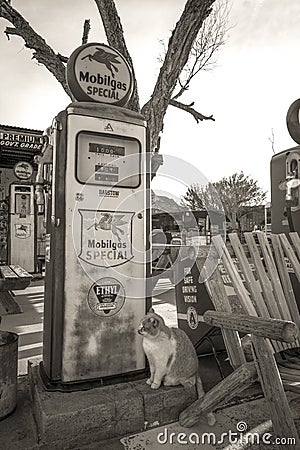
[285,190]
[285,179]
[97,219]
[285,186]
[21,245]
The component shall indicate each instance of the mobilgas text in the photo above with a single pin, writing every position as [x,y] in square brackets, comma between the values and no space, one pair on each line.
[102,85]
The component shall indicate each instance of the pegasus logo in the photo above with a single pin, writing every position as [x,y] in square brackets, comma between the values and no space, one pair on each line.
[103,57]
[112,222]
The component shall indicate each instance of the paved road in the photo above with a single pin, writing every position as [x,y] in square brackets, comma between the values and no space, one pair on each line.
[16,432]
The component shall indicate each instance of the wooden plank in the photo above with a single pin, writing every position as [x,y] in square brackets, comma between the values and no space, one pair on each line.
[290,374]
[214,283]
[12,284]
[262,275]
[265,283]
[231,337]
[237,282]
[13,277]
[288,250]
[292,364]
[9,304]
[275,397]
[236,382]
[239,287]
[252,284]
[291,386]
[281,330]
[296,242]
[285,279]
[273,275]
[7,272]
[20,272]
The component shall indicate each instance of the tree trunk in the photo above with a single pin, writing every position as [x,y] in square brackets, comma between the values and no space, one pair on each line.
[179,48]
[115,37]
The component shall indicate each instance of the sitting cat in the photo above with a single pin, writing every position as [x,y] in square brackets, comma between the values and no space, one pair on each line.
[171,355]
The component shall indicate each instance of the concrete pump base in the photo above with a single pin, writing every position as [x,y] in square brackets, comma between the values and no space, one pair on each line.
[103,413]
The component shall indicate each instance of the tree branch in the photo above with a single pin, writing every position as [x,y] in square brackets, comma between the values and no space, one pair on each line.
[197,116]
[208,42]
[179,48]
[115,37]
[180,44]
[42,52]
[86,30]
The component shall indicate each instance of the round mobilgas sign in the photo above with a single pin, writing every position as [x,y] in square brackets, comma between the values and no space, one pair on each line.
[99,73]
[23,170]
[293,120]
[106,297]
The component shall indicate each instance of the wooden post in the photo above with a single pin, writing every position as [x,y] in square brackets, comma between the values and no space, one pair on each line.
[236,382]
[281,330]
[275,397]
[231,338]
[252,284]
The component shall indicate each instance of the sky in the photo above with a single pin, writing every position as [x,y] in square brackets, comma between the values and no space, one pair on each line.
[248,92]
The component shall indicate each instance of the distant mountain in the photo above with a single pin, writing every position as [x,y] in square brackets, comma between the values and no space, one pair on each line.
[161,203]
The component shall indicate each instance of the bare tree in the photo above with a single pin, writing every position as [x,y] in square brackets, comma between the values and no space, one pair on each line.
[234,194]
[202,198]
[203,54]
[193,198]
[198,34]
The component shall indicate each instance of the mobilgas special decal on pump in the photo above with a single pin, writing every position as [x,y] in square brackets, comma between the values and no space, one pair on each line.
[22,231]
[106,237]
[106,297]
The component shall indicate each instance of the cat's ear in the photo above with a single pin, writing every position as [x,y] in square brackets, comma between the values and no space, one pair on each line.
[151,310]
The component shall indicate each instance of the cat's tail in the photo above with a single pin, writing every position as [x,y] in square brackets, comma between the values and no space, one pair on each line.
[211,420]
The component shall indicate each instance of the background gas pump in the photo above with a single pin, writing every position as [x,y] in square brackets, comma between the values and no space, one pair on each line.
[285,190]
[97,210]
[21,245]
[285,179]
[285,186]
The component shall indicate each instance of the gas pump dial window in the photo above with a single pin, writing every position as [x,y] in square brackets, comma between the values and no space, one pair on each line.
[108,160]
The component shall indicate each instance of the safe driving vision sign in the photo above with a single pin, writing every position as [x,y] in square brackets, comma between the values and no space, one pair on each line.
[99,73]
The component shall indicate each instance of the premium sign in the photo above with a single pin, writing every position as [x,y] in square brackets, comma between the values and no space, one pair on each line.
[98,73]
[20,140]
